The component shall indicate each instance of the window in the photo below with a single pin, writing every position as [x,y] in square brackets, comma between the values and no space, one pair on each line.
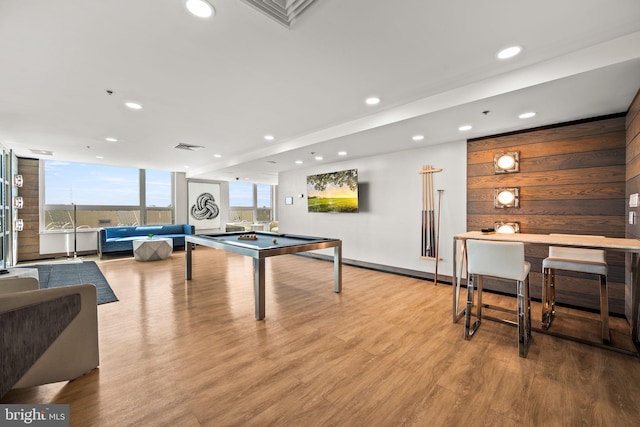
[93,196]
[158,191]
[158,188]
[240,194]
[87,184]
[263,205]
[250,202]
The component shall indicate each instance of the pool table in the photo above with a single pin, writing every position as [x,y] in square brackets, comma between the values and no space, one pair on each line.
[266,245]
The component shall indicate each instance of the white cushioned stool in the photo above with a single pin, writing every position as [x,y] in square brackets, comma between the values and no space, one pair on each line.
[502,260]
[590,261]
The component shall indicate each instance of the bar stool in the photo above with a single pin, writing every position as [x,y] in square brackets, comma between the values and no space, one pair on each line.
[590,261]
[502,260]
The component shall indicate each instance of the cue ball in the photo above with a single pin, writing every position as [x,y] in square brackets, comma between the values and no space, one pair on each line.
[275,240]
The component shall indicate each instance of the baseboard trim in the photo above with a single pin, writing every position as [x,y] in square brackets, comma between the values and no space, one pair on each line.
[381,267]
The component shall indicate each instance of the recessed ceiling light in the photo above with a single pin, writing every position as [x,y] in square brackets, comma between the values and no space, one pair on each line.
[186,167]
[199,8]
[465,128]
[417,137]
[133,105]
[269,137]
[509,52]
[527,115]
[217,156]
[99,157]
[342,153]
[372,100]
[299,162]
[318,157]
[111,139]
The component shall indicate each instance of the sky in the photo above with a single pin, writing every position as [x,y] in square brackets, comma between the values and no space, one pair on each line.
[241,194]
[93,184]
[69,183]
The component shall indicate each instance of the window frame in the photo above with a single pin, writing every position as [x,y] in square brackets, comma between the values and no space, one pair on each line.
[254,209]
[142,208]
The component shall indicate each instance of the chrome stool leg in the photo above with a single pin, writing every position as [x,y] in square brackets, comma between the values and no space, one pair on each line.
[524,318]
[479,285]
[527,293]
[604,309]
[552,291]
[470,329]
[548,296]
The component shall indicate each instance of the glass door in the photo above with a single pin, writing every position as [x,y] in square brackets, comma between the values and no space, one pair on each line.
[5,192]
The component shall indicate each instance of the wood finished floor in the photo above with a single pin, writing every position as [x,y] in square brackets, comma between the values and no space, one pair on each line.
[383,353]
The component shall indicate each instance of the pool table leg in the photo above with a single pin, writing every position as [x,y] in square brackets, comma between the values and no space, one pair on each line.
[187,254]
[258,285]
[337,269]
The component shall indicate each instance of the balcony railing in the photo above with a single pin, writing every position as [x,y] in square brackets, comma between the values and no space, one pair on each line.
[61,217]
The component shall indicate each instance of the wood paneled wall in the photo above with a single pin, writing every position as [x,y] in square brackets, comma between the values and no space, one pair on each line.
[633,177]
[571,180]
[29,238]
[633,160]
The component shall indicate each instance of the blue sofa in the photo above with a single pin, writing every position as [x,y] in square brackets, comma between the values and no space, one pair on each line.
[120,239]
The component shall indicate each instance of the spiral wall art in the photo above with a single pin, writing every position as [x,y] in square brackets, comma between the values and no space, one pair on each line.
[204,208]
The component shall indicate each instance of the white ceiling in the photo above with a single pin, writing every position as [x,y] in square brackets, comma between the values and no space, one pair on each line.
[225,82]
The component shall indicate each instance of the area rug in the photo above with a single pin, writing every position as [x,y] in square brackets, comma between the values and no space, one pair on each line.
[76,273]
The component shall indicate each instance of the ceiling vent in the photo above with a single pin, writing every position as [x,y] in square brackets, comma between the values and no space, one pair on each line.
[188,147]
[283,11]
[42,152]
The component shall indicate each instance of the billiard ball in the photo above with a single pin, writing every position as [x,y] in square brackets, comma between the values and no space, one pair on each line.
[275,240]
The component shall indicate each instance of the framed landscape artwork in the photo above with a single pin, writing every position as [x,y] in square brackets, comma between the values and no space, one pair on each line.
[333,192]
[204,210]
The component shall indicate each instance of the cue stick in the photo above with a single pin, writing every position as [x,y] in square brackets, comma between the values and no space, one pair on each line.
[431,216]
[435,279]
[423,248]
[426,208]
[425,212]
[422,218]
[428,237]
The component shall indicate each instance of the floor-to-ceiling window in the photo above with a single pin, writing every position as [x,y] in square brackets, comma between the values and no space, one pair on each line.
[264,205]
[93,196]
[5,217]
[158,197]
[249,202]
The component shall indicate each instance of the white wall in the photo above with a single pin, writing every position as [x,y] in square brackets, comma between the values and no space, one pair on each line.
[387,230]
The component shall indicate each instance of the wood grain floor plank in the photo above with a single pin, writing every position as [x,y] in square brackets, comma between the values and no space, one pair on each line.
[384,352]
